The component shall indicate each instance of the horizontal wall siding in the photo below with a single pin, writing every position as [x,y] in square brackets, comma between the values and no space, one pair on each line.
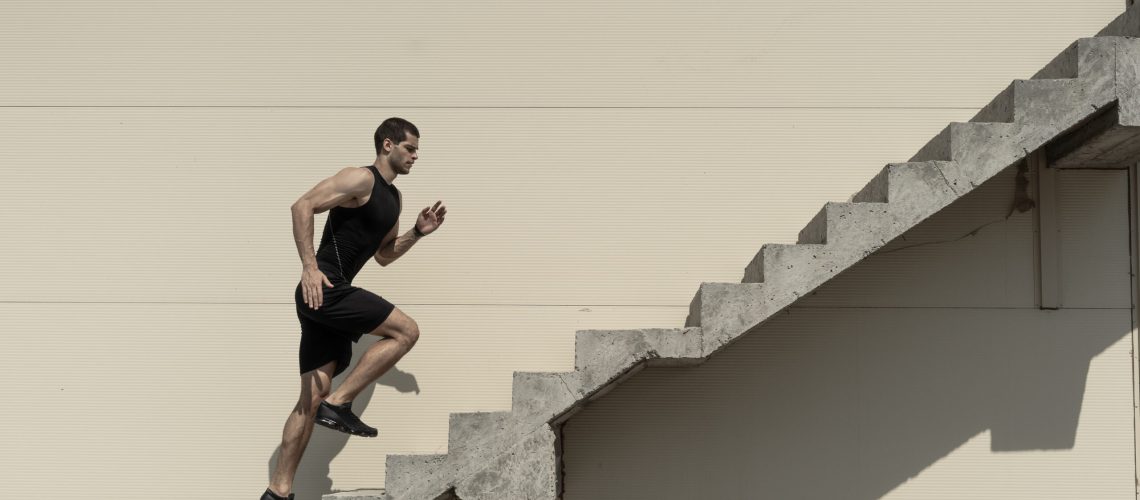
[137,397]
[516,53]
[926,372]
[1094,238]
[598,161]
[192,205]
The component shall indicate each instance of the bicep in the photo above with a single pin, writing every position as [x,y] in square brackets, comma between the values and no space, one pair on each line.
[333,191]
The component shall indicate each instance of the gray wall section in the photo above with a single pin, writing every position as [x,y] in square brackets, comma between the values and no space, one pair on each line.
[922,373]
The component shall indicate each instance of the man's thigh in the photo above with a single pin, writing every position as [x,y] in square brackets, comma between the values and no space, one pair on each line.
[396,325]
[355,311]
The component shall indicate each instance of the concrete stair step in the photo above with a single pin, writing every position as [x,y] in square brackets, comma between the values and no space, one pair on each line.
[551,397]
[469,429]
[958,140]
[724,311]
[999,110]
[356,495]
[794,266]
[838,221]
[409,476]
[541,396]
[910,187]
[1020,119]
[1028,100]
[717,304]
[1033,111]
[526,470]
[613,348]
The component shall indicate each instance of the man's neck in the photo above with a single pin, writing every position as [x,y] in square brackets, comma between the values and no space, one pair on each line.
[386,172]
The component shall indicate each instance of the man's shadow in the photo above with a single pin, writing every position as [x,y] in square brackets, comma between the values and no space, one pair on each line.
[312,480]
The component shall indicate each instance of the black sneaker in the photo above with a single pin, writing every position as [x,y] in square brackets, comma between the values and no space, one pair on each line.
[270,495]
[342,419]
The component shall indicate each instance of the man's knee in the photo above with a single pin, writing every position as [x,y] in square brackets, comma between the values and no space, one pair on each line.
[413,332]
[316,385]
[312,398]
[409,333]
[309,407]
[401,327]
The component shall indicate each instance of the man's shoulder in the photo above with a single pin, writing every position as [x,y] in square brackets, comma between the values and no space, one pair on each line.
[355,178]
[355,171]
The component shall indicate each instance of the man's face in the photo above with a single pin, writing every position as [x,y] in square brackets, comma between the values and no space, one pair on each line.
[404,154]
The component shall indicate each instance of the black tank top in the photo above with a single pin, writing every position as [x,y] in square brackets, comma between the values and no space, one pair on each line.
[352,235]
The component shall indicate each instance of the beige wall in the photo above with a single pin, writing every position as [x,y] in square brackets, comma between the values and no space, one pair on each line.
[599,160]
[925,372]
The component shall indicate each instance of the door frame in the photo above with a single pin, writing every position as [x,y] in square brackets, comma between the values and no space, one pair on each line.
[1134,242]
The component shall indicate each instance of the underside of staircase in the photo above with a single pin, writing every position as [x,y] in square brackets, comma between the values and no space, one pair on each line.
[1081,110]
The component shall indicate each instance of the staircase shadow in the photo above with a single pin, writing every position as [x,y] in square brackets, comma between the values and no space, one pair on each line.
[933,361]
[809,408]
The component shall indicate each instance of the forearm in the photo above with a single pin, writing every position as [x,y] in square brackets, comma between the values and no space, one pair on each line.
[398,247]
[303,235]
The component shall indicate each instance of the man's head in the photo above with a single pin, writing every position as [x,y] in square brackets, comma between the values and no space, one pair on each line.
[398,142]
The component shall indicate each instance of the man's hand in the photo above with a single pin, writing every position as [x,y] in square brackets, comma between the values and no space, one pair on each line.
[311,281]
[431,218]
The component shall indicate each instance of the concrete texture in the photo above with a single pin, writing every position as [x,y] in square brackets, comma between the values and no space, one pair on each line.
[911,187]
[528,470]
[1109,139]
[463,426]
[405,473]
[515,455]
[1101,143]
[1128,81]
[615,348]
[354,495]
[836,220]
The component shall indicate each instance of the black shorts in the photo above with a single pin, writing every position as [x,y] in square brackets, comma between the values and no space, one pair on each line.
[346,314]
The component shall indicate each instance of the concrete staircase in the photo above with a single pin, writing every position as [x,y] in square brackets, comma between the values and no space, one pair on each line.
[515,454]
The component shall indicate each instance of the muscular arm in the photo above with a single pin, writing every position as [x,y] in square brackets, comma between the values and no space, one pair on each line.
[396,247]
[345,185]
[393,248]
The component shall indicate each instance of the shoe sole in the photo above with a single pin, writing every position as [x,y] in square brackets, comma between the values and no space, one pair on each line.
[337,426]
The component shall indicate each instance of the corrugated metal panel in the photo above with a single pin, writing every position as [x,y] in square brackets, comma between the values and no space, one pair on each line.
[981,396]
[519,53]
[875,403]
[192,205]
[1095,271]
[141,398]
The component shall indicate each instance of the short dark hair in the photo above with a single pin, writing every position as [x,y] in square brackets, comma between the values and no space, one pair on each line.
[395,130]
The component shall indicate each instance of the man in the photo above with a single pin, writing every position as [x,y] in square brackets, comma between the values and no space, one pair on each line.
[363,224]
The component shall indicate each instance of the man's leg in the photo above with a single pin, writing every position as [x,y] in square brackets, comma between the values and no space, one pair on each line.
[402,332]
[315,386]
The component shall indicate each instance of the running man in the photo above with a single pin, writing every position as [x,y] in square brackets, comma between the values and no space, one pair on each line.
[363,224]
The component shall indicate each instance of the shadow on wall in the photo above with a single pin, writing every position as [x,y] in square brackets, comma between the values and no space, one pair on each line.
[923,373]
[834,403]
[312,480]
